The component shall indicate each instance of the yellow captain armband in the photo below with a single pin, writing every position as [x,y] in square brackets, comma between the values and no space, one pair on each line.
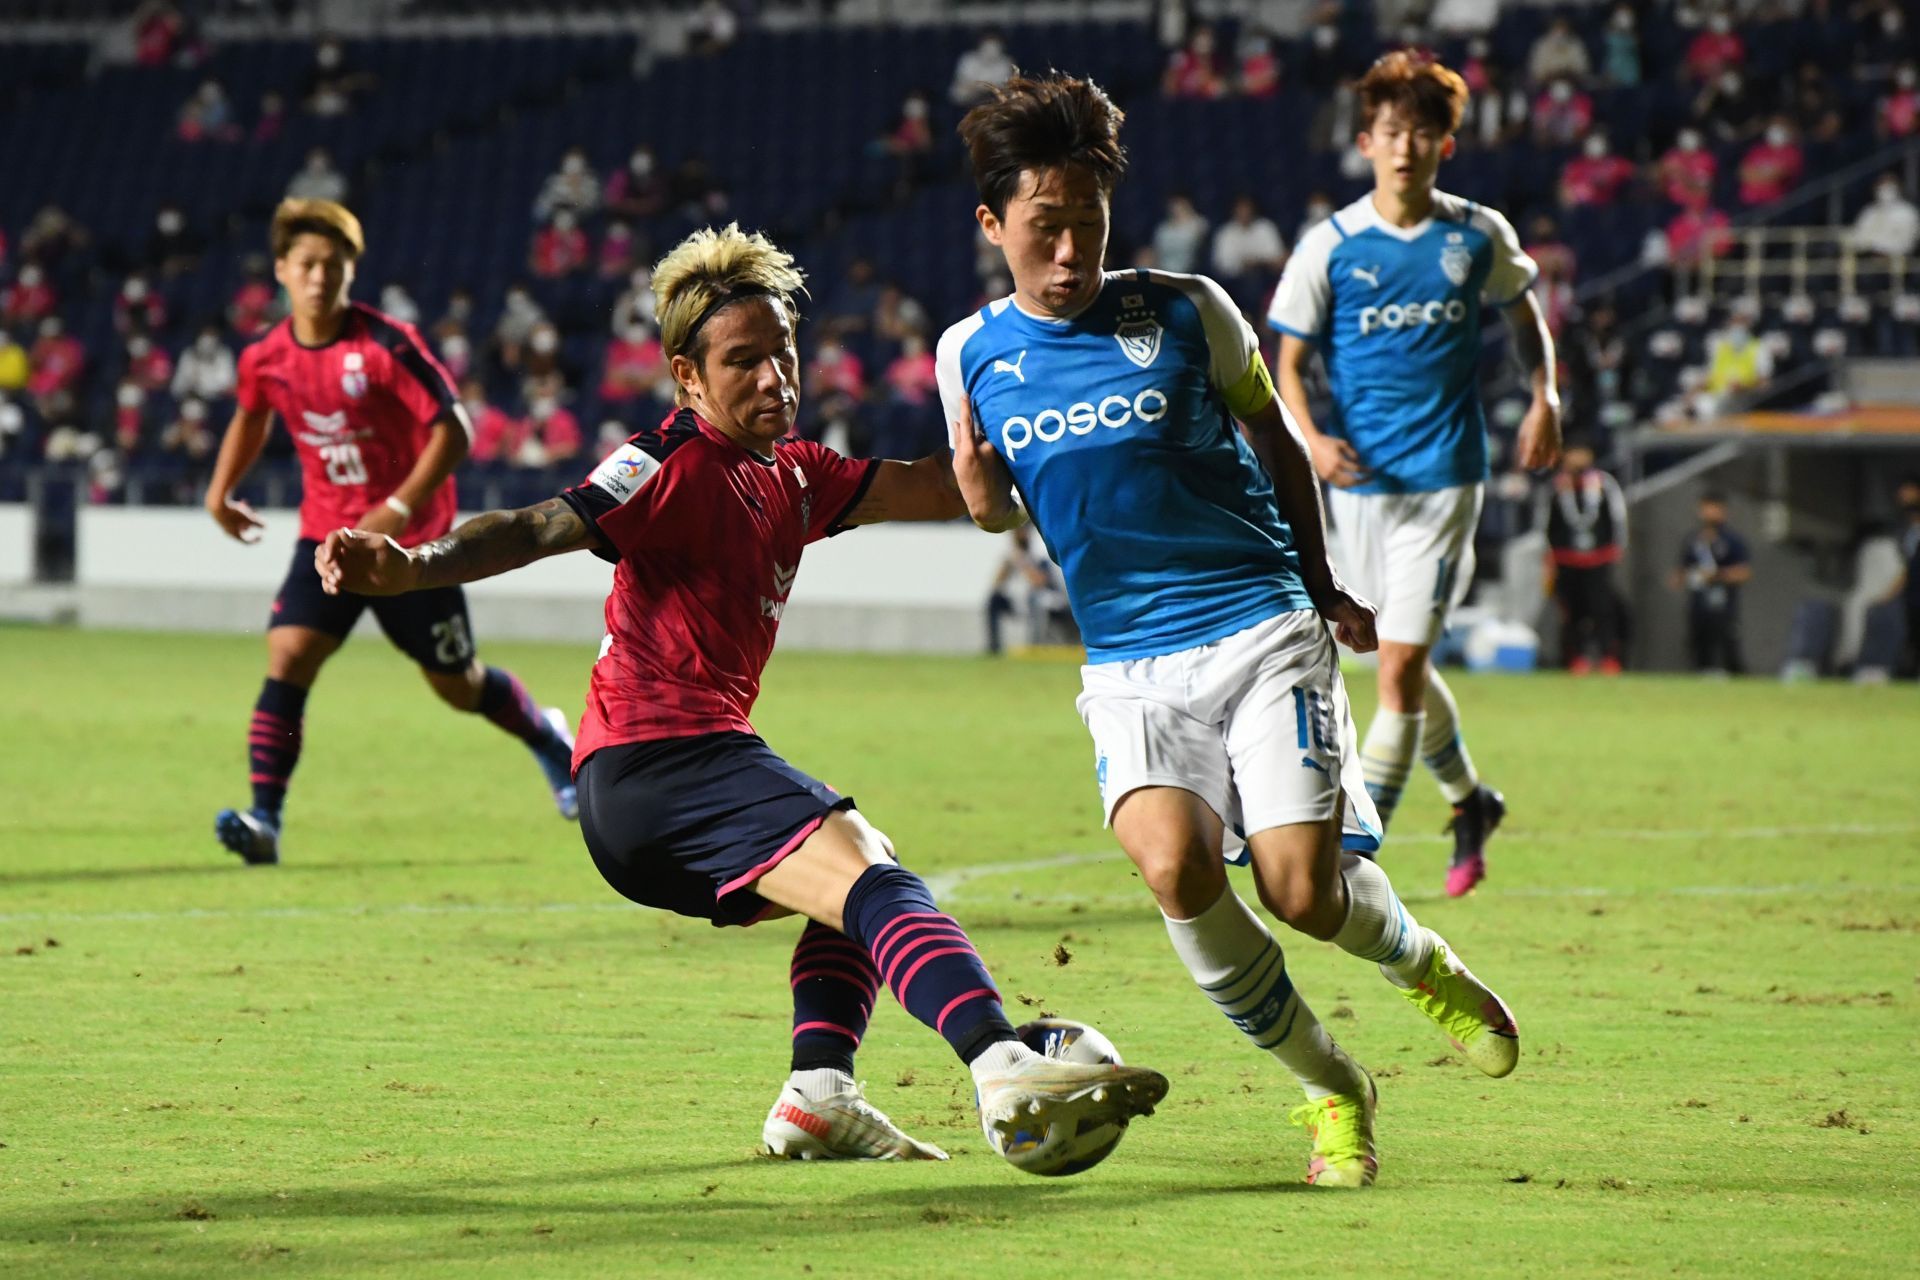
[1253,391]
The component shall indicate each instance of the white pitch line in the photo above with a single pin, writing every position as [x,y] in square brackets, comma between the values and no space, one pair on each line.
[949,884]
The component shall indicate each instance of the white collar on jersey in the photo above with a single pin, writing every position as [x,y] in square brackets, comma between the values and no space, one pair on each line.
[1363,213]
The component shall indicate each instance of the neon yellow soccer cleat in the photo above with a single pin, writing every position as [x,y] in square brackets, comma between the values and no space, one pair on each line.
[1342,1129]
[1477,1021]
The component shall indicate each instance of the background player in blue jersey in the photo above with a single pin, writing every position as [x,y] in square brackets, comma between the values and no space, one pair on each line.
[1391,290]
[1195,561]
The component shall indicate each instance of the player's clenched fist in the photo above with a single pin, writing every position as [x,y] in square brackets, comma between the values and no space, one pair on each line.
[368,564]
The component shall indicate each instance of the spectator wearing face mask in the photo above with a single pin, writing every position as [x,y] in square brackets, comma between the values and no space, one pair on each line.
[639,190]
[1558,54]
[58,360]
[636,301]
[251,309]
[541,359]
[318,179]
[173,248]
[635,367]
[560,248]
[149,367]
[1714,565]
[519,316]
[206,369]
[1737,361]
[129,415]
[1194,72]
[1318,209]
[910,377]
[28,300]
[550,434]
[188,437]
[982,67]
[1890,224]
[1259,75]
[573,187]
[1772,166]
[1686,172]
[1715,50]
[494,430]
[1561,115]
[1729,109]
[1898,114]
[137,308]
[619,250]
[1596,177]
[1620,49]
[1181,237]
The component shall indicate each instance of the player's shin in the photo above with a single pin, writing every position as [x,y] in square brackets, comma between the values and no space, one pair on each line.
[834,984]
[926,958]
[1238,965]
[1386,757]
[273,743]
[1378,927]
[1442,747]
[505,702]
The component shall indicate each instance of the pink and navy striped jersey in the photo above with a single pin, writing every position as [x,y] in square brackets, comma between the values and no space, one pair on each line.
[707,537]
[361,410]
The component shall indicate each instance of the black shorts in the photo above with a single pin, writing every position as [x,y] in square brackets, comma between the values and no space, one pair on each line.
[686,824]
[431,627]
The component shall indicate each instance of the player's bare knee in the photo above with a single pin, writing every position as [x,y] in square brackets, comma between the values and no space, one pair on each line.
[874,845]
[1305,903]
[458,689]
[1184,876]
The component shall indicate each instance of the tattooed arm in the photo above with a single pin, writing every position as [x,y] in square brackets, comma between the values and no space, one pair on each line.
[371,564]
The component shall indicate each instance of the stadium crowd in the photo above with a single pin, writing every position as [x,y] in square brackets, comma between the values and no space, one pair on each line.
[1623,140]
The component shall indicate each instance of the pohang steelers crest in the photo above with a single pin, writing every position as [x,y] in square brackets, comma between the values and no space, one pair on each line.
[1139,340]
[1456,260]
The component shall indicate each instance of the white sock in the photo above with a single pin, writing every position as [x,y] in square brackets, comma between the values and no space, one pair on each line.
[817,1084]
[1378,928]
[1442,747]
[1386,757]
[1239,966]
[999,1058]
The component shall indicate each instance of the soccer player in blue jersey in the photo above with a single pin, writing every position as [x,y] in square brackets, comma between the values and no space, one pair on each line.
[1195,562]
[1392,290]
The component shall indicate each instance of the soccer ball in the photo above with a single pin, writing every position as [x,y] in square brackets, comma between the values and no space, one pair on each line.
[1054,1154]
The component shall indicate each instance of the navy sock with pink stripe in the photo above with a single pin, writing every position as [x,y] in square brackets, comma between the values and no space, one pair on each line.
[506,702]
[926,958]
[273,743]
[834,985]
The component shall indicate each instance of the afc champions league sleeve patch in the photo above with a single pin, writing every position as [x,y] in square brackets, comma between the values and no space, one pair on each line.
[624,471]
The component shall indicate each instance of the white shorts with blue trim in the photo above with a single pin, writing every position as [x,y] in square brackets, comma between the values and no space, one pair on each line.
[1410,555]
[1256,724]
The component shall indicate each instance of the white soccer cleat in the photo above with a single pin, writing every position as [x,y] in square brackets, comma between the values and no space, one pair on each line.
[844,1126]
[1022,1109]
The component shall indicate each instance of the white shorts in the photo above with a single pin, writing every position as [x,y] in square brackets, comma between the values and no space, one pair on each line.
[1257,725]
[1409,554]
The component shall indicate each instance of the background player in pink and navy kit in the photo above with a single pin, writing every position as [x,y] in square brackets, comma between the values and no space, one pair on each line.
[378,429]
[682,805]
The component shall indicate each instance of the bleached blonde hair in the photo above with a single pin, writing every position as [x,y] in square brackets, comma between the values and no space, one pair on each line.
[710,269]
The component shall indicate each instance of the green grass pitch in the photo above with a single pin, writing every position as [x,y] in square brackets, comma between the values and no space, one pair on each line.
[433,1043]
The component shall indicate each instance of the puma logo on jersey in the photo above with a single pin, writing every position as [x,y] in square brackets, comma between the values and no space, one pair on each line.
[1001,366]
[331,424]
[1370,274]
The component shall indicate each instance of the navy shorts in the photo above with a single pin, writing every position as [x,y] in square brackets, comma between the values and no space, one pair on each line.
[431,627]
[686,824]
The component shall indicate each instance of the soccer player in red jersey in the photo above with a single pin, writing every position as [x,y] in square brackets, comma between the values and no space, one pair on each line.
[683,807]
[379,429]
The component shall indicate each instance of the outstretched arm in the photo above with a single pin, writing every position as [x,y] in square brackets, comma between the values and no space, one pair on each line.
[373,564]
[920,490]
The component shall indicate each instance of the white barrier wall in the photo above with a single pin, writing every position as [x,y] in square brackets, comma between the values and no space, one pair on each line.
[886,588]
[16,544]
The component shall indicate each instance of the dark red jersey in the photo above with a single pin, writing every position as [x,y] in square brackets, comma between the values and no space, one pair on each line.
[707,536]
[361,410]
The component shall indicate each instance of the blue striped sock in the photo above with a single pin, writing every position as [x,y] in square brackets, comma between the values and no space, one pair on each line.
[1240,967]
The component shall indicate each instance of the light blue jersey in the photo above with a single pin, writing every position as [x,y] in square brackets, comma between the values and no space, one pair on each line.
[1396,313]
[1117,429]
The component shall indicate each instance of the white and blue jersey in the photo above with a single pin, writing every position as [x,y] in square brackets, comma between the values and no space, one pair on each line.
[1118,427]
[1396,313]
